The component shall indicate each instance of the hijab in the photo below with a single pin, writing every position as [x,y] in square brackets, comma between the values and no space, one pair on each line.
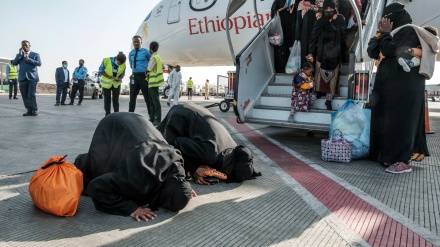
[397,14]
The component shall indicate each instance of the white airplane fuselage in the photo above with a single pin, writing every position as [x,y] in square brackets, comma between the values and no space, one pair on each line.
[192,32]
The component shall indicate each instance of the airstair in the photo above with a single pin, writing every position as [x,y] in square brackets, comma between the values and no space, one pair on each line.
[263,96]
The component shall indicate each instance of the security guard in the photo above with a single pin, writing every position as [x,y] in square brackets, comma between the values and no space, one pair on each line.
[79,76]
[112,70]
[155,80]
[11,76]
[139,58]
[189,86]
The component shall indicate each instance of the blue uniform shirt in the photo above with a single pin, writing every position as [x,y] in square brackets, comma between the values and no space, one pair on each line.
[115,66]
[80,73]
[142,59]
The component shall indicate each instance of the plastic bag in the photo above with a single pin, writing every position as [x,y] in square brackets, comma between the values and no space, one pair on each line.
[56,187]
[354,123]
[294,62]
[276,32]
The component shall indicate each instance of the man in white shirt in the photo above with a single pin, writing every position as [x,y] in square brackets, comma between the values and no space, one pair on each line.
[174,81]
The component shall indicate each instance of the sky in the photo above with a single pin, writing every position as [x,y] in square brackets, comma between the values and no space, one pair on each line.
[72,30]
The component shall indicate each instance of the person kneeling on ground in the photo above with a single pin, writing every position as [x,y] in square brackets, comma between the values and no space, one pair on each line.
[129,166]
[203,141]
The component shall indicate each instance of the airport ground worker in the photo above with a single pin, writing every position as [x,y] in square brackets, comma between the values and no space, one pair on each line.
[174,81]
[113,71]
[11,77]
[155,80]
[189,86]
[139,58]
[28,76]
[79,76]
[62,78]
[207,89]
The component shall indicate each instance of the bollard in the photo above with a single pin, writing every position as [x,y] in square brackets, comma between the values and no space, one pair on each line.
[427,126]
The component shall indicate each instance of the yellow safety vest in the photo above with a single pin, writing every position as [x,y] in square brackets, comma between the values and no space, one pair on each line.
[190,84]
[156,77]
[107,82]
[12,72]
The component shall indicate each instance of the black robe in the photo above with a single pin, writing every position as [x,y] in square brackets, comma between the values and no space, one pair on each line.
[304,28]
[204,141]
[288,23]
[397,101]
[129,165]
[327,42]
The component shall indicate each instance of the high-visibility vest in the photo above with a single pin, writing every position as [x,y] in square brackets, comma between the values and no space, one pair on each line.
[190,84]
[156,77]
[12,72]
[108,68]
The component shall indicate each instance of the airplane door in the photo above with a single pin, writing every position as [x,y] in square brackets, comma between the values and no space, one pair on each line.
[174,12]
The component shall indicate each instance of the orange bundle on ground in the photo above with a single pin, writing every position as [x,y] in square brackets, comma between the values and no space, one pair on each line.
[214,173]
[56,187]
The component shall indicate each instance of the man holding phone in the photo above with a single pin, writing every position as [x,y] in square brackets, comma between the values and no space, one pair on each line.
[28,76]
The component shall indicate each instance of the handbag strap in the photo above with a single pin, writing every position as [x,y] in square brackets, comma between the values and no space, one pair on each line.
[338,132]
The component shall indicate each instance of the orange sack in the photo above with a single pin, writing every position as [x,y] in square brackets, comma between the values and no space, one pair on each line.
[56,187]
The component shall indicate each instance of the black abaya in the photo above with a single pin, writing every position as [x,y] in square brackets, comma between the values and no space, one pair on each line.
[397,116]
[129,164]
[204,141]
[288,23]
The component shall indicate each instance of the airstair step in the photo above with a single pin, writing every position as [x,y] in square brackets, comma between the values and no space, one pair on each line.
[287,124]
[284,100]
[283,113]
[283,78]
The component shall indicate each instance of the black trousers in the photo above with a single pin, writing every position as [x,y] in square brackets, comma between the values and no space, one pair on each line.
[12,84]
[156,110]
[190,93]
[110,95]
[75,87]
[139,84]
[61,92]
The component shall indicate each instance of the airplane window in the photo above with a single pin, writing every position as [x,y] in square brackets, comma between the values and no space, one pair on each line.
[148,16]
[201,5]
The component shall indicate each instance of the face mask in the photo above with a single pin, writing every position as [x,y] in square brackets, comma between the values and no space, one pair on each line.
[65,66]
[327,15]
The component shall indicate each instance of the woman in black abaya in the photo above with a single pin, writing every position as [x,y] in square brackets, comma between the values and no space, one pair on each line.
[397,116]
[288,22]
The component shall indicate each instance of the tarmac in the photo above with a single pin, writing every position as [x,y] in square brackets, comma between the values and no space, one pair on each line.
[299,200]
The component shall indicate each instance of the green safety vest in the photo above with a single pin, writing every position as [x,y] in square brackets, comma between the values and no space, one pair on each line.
[190,84]
[13,74]
[156,77]
[107,82]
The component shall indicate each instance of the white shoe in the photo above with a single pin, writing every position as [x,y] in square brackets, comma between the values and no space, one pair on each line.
[405,64]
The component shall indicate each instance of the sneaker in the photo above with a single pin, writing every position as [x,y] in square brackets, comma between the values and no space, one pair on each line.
[57,104]
[15,98]
[71,103]
[398,167]
[28,113]
[34,113]
[406,64]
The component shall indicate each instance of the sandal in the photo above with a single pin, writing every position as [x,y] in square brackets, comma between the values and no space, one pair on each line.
[214,173]
[417,157]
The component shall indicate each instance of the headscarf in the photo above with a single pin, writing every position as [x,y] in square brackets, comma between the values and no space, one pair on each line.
[329,4]
[175,194]
[243,165]
[398,15]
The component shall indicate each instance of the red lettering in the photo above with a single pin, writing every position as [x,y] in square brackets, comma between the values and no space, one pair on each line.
[230,24]
[249,20]
[218,24]
[260,16]
[237,27]
[206,25]
[191,26]
[200,26]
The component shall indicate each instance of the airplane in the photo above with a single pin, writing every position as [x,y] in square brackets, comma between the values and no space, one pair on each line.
[192,32]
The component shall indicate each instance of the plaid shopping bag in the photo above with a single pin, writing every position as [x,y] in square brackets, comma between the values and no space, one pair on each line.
[336,150]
